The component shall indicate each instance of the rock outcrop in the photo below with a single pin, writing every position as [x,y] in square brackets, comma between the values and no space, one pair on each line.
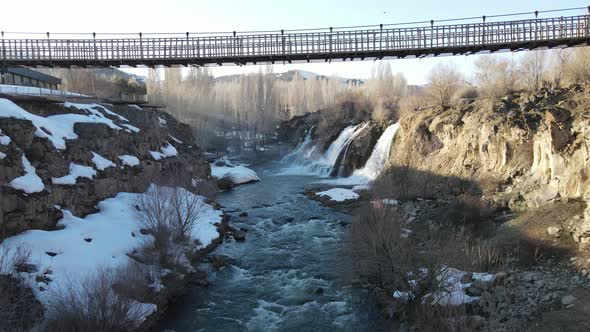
[163,146]
[525,151]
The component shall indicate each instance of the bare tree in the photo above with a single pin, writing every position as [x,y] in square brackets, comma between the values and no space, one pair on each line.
[443,82]
[532,69]
[494,77]
[94,305]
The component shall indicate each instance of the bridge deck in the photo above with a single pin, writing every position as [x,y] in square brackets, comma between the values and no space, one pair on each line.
[302,46]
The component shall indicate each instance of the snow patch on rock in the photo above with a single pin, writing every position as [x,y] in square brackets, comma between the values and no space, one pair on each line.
[100,162]
[76,171]
[339,194]
[30,182]
[129,160]
[57,128]
[236,173]
[4,139]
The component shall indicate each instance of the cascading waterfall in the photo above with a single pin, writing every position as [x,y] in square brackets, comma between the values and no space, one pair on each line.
[303,150]
[380,154]
[301,157]
[374,164]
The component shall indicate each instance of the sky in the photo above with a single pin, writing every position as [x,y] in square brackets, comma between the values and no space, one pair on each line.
[241,15]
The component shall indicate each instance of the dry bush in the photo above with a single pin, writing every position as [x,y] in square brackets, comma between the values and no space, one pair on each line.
[494,77]
[349,106]
[387,259]
[443,82]
[169,211]
[576,67]
[168,214]
[19,309]
[94,305]
[436,318]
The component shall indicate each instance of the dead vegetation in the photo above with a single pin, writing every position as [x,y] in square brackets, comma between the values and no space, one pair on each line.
[19,309]
[107,300]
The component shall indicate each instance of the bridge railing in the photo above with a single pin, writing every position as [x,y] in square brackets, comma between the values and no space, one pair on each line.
[372,42]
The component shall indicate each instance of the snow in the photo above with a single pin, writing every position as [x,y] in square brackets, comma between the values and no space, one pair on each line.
[100,162]
[236,173]
[30,90]
[130,127]
[93,109]
[404,296]
[361,187]
[389,201]
[169,150]
[30,182]
[162,122]
[4,139]
[56,128]
[339,194]
[76,171]
[129,160]
[2,155]
[166,151]
[113,233]
[175,139]
[135,107]
[454,294]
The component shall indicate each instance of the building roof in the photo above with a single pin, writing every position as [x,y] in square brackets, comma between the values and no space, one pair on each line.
[26,72]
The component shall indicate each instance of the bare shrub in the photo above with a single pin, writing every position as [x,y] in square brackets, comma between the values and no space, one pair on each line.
[94,305]
[19,309]
[576,68]
[532,70]
[169,211]
[494,77]
[387,259]
[443,82]
[428,317]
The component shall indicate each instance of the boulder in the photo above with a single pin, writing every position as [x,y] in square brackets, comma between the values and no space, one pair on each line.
[555,231]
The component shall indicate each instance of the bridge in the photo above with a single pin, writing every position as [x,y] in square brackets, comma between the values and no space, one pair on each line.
[362,43]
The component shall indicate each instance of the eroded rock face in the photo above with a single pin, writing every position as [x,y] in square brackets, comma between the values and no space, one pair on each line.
[20,211]
[533,149]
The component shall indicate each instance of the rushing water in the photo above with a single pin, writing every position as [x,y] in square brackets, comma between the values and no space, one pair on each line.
[292,273]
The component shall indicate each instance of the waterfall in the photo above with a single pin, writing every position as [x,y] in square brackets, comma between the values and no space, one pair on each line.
[380,154]
[303,150]
[303,161]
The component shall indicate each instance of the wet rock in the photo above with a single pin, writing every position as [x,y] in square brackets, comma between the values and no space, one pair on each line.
[239,235]
[567,300]
[26,267]
[243,214]
[220,261]
[473,291]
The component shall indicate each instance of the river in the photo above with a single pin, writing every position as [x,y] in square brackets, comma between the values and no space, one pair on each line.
[292,272]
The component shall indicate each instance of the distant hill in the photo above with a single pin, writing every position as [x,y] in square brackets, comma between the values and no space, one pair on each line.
[291,74]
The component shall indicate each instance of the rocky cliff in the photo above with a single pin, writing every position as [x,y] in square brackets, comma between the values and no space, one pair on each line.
[68,155]
[525,151]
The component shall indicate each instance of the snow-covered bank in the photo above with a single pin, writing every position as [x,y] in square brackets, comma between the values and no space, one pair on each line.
[339,194]
[66,257]
[57,128]
[238,174]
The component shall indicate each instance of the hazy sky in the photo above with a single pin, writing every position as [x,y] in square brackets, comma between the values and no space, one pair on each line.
[229,15]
